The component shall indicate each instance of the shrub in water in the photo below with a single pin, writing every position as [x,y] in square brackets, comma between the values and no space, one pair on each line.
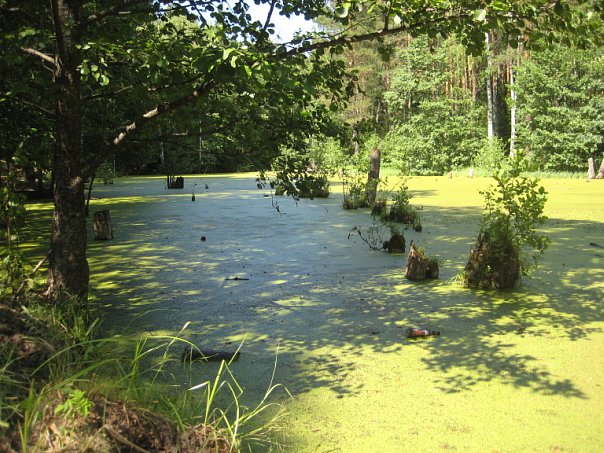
[513,211]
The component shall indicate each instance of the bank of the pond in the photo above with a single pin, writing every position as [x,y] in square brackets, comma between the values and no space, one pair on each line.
[513,371]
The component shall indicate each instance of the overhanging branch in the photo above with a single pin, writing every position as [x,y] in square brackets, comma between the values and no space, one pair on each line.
[39,54]
[137,124]
[115,10]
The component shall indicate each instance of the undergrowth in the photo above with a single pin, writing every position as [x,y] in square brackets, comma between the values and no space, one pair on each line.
[91,394]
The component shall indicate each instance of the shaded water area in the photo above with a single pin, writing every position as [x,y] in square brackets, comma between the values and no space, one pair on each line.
[511,371]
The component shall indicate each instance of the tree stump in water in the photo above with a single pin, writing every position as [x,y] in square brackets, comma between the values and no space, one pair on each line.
[102,225]
[491,265]
[374,175]
[420,267]
[591,172]
[600,174]
[175,183]
[396,243]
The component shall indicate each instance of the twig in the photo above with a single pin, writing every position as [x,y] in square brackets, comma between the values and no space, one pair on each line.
[121,439]
[33,272]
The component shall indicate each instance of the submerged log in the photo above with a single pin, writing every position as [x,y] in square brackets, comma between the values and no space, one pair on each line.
[208,355]
[102,225]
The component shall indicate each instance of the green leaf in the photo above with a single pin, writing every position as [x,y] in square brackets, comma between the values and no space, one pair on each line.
[341,12]
[479,15]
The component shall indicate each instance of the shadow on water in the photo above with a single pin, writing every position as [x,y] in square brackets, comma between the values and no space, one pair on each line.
[293,282]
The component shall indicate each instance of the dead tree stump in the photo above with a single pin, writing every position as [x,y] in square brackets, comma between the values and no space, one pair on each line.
[420,267]
[374,175]
[102,225]
[175,182]
[591,172]
[396,243]
[492,265]
[600,174]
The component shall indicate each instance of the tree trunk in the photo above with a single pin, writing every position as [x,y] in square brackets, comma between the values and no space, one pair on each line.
[490,98]
[68,268]
[514,97]
[374,175]
[591,171]
[600,174]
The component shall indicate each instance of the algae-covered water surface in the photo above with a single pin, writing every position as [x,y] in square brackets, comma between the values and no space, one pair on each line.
[511,371]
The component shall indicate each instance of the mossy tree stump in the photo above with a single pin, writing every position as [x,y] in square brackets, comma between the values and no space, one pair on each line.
[102,225]
[492,264]
[419,266]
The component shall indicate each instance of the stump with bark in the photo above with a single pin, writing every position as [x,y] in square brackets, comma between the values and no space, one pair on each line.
[492,265]
[600,174]
[419,266]
[396,243]
[175,182]
[374,175]
[591,172]
[102,225]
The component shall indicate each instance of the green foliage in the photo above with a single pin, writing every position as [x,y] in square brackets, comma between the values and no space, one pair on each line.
[560,99]
[297,175]
[12,212]
[513,212]
[490,155]
[514,208]
[13,274]
[76,404]
[105,173]
[401,210]
[435,131]
[355,183]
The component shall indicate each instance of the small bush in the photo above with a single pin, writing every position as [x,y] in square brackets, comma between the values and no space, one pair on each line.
[513,211]
[401,210]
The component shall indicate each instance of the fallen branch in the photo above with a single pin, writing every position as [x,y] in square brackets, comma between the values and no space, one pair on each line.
[122,440]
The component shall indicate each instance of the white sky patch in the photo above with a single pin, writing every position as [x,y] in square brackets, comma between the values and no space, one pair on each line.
[285,28]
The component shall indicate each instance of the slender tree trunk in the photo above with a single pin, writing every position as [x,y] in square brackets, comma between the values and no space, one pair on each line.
[68,267]
[516,62]
[514,96]
[490,129]
[374,175]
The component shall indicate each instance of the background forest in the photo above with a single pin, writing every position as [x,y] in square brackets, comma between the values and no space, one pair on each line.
[430,103]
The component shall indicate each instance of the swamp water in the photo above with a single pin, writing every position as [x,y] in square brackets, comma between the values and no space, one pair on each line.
[511,371]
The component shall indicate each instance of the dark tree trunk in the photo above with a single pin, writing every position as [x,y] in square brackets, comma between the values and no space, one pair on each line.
[68,267]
